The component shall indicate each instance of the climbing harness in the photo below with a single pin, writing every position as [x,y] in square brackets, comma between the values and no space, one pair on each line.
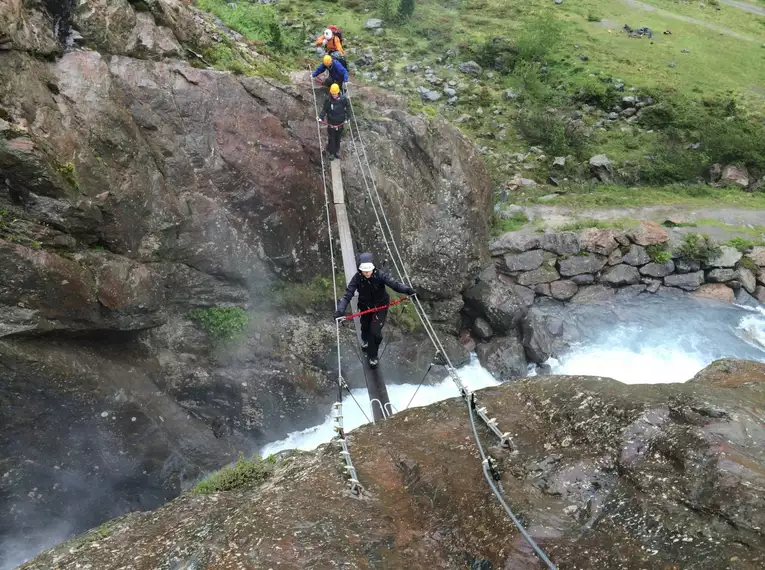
[334,127]
[488,465]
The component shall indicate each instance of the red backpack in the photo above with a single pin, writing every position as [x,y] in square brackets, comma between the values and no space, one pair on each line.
[337,32]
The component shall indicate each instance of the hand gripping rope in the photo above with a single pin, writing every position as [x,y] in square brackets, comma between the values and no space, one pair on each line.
[489,470]
[337,407]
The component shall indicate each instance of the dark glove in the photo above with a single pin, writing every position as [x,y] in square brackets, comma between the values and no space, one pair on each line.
[411,292]
[339,315]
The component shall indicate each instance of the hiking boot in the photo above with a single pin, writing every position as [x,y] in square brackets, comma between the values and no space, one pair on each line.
[364,345]
[373,362]
[337,155]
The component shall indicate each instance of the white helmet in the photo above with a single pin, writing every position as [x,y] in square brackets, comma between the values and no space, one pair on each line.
[328,34]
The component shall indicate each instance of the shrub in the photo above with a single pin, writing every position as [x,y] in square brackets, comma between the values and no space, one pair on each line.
[500,225]
[699,248]
[498,54]
[741,244]
[748,263]
[593,17]
[670,162]
[658,253]
[553,132]
[405,10]
[403,315]
[244,474]
[538,38]
[221,323]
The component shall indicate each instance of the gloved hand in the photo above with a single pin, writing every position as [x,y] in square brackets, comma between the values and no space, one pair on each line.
[338,315]
[411,292]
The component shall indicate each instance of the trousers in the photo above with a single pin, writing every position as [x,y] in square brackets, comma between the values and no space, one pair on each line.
[333,140]
[371,330]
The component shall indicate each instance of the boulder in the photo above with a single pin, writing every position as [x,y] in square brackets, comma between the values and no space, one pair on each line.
[728,257]
[373,23]
[594,295]
[583,279]
[713,173]
[651,285]
[561,243]
[620,275]
[757,255]
[602,242]
[515,242]
[616,257]
[504,357]
[684,265]
[686,281]
[747,278]
[721,275]
[525,261]
[544,274]
[601,168]
[658,269]
[542,289]
[482,329]
[716,291]
[735,176]
[745,299]
[470,68]
[636,256]
[563,290]
[649,233]
[759,293]
[579,264]
[497,303]
[526,294]
[537,340]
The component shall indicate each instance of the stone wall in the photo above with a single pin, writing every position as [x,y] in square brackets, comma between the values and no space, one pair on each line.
[591,266]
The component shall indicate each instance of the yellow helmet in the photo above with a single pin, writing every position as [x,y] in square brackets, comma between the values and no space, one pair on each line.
[327,60]
[334,89]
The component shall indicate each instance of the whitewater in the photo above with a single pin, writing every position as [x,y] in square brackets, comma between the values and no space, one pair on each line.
[656,343]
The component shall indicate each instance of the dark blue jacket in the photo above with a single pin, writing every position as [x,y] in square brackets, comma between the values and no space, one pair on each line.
[372,291]
[337,71]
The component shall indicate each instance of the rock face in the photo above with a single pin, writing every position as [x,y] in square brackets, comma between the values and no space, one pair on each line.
[137,188]
[590,458]
[496,301]
[504,357]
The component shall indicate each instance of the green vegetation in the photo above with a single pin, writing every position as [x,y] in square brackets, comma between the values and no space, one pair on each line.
[67,171]
[403,315]
[748,263]
[244,474]
[222,324]
[658,253]
[500,225]
[317,293]
[741,244]
[698,247]
[586,223]
[256,22]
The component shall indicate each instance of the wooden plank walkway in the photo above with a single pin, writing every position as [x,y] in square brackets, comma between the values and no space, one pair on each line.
[375,381]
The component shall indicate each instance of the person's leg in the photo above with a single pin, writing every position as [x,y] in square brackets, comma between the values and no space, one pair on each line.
[366,322]
[375,333]
[338,139]
[329,143]
[333,142]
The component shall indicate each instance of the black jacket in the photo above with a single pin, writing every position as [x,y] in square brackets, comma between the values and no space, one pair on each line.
[372,292]
[336,110]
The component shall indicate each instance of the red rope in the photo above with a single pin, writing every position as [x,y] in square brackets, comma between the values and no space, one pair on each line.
[373,310]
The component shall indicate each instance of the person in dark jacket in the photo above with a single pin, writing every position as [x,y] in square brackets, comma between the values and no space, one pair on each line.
[336,72]
[370,284]
[336,111]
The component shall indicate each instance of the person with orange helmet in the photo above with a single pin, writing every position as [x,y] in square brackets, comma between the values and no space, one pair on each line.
[336,111]
[336,72]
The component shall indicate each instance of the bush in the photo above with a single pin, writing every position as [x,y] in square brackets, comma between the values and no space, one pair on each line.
[671,162]
[317,293]
[497,54]
[221,323]
[538,38]
[658,253]
[699,248]
[405,10]
[244,474]
[557,135]
[748,263]
[741,244]
[403,315]
[386,10]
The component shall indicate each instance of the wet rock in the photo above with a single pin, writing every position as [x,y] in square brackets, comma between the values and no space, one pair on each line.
[651,285]
[536,338]
[525,261]
[759,293]
[735,176]
[649,233]
[470,68]
[560,242]
[685,281]
[658,269]
[683,265]
[721,275]
[504,357]
[747,278]
[515,242]
[600,241]
[745,299]
[579,264]
[601,168]
[482,329]
[636,256]
[717,292]
[542,289]
[620,275]
[563,290]
[594,294]
[583,279]
[526,294]
[728,257]
[497,302]
[544,274]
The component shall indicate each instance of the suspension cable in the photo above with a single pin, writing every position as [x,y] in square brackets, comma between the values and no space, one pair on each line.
[427,324]
[337,408]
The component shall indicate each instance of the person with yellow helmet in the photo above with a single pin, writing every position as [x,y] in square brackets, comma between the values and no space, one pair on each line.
[336,72]
[336,111]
